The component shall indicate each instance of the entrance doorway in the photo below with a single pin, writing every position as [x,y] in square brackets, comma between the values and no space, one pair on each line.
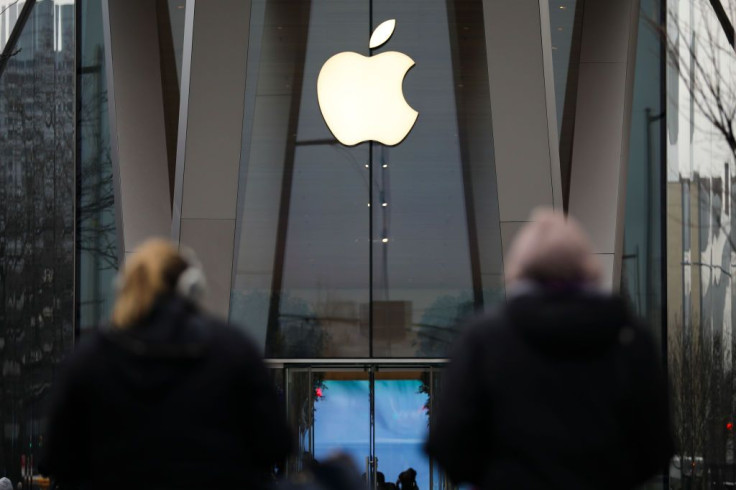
[378,415]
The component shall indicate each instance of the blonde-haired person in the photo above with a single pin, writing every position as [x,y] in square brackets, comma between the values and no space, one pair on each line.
[167,396]
[560,387]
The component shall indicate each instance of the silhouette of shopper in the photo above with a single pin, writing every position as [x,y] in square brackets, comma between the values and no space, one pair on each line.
[167,397]
[407,480]
[559,388]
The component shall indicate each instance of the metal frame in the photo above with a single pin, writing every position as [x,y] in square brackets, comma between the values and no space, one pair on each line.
[357,362]
[181,140]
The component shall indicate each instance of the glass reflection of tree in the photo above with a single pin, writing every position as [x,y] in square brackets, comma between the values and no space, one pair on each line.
[96,226]
[426,388]
[300,333]
[702,395]
[438,327]
[36,228]
[699,41]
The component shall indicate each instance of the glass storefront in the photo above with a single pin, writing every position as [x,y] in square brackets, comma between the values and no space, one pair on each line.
[369,254]
[368,250]
[37,122]
[701,233]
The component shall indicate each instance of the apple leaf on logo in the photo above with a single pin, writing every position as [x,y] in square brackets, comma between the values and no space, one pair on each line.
[382,33]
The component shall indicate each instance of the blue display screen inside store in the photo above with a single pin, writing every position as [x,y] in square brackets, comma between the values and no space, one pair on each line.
[341,423]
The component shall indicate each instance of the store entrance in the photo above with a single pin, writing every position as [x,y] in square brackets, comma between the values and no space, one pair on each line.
[377,415]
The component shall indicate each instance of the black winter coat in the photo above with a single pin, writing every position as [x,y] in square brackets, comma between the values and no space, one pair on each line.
[181,401]
[555,390]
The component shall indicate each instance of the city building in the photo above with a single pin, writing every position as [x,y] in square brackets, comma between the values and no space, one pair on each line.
[350,247]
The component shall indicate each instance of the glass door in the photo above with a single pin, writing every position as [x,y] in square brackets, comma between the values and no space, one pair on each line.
[401,424]
[378,416]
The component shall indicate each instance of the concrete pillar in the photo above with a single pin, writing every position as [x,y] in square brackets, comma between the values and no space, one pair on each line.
[209,144]
[138,139]
[602,125]
[518,46]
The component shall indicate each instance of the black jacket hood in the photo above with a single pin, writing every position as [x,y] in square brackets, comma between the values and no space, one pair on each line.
[172,339]
[568,323]
[171,330]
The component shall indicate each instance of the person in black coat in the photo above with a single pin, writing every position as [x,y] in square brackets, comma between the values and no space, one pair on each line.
[560,388]
[168,397]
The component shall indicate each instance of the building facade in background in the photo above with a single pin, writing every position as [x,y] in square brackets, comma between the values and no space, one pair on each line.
[352,266]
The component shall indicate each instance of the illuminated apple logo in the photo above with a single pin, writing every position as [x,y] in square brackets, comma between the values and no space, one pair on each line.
[361,97]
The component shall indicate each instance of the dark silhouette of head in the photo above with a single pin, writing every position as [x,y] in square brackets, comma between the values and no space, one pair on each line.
[407,479]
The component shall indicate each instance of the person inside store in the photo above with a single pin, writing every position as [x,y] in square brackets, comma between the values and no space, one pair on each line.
[560,387]
[407,480]
[167,396]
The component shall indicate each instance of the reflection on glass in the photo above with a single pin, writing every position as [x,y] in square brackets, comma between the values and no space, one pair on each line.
[436,240]
[176,9]
[300,398]
[97,237]
[367,250]
[701,233]
[36,227]
[440,481]
[170,20]
[9,13]
[642,258]
[562,25]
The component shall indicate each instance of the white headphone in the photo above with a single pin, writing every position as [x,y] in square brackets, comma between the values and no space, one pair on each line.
[191,284]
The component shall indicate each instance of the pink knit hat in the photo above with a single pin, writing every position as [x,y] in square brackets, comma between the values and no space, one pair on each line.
[552,248]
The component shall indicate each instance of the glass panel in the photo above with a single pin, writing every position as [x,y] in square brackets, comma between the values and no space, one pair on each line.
[9,13]
[342,415]
[642,259]
[562,22]
[97,238]
[278,377]
[402,423]
[439,478]
[36,228]
[170,19]
[176,9]
[300,412]
[436,253]
[367,250]
[303,229]
[701,233]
